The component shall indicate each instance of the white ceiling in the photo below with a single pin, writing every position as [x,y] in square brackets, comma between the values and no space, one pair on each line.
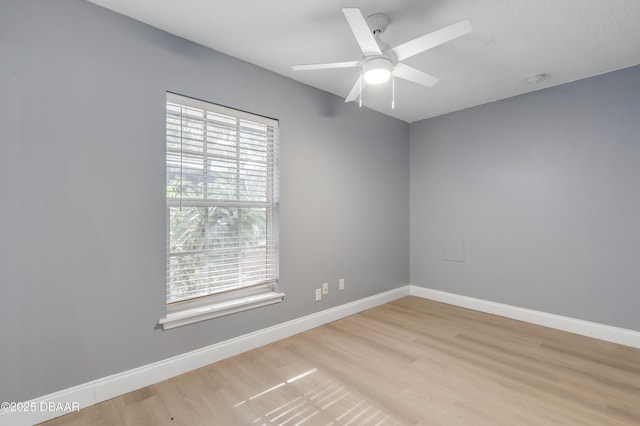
[511,40]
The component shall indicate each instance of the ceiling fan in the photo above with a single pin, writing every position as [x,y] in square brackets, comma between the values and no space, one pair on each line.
[380,62]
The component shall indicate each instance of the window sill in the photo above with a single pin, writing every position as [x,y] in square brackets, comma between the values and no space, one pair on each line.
[218,309]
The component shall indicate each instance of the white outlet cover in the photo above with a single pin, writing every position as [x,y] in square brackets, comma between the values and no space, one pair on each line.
[325,288]
[318,294]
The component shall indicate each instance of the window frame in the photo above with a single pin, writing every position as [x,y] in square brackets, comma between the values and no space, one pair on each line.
[261,293]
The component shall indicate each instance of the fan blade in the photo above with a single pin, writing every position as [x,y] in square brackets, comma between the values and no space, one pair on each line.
[361,31]
[325,66]
[411,74]
[431,40]
[355,91]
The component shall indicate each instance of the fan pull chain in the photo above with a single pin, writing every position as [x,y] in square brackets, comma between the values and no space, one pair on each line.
[360,85]
[393,91]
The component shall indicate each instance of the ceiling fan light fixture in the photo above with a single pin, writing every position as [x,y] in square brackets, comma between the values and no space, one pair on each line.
[380,62]
[377,70]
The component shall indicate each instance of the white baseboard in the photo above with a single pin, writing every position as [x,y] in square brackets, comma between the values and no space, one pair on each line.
[609,333]
[99,390]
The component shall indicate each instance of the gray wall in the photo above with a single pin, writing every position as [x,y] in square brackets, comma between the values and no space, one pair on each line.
[82,252]
[544,189]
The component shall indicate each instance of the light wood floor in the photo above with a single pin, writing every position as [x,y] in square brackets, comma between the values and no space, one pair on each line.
[412,361]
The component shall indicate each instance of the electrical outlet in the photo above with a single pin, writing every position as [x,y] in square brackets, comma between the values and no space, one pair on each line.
[325,288]
[318,294]
[341,284]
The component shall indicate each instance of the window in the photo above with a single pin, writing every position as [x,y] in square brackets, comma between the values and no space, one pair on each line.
[221,211]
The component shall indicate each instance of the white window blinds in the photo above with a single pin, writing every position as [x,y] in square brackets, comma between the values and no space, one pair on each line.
[222,199]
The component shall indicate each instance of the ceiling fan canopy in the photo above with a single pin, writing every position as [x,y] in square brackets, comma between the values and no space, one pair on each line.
[379,61]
